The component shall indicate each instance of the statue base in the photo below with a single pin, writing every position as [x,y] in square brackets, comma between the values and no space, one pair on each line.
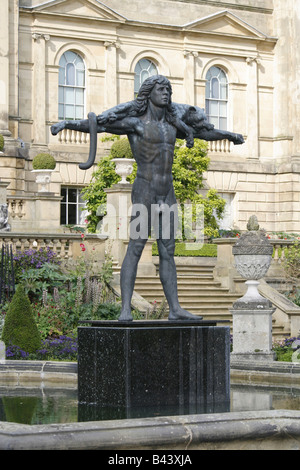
[150,368]
[252,334]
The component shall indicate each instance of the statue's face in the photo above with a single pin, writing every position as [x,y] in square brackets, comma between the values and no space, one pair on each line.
[160,95]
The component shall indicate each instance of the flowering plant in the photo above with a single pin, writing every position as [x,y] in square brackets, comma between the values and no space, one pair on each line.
[34,259]
[61,348]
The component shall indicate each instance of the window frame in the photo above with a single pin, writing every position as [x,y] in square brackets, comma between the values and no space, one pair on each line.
[78,204]
[64,88]
[218,118]
[138,75]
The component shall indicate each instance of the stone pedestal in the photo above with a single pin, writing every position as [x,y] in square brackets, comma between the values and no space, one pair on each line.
[46,217]
[149,368]
[252,313]
[252,334]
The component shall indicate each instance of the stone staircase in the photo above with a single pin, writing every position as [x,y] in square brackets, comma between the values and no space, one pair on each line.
[198,292]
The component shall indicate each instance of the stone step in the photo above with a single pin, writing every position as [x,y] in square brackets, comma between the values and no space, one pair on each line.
[217,297]
[184,280]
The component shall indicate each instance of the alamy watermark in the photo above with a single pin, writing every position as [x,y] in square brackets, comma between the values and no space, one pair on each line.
[159,220]
[296,353]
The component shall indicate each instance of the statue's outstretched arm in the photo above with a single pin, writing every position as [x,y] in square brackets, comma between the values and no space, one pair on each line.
[217,134]
[92,126]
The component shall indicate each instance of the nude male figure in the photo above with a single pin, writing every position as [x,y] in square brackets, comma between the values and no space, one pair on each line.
[152,137]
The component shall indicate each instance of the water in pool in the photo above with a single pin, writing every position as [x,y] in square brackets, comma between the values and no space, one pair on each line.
[44,406]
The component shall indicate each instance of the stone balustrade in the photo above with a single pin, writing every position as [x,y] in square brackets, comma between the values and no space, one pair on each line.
[71,137]
[219,146]
[16,207]
[65,245]
[279,245]
[68,136]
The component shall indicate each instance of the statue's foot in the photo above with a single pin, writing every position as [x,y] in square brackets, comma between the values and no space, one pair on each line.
[125,315]
[181,314]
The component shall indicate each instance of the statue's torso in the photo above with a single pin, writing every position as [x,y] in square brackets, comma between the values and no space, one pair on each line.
[153,149]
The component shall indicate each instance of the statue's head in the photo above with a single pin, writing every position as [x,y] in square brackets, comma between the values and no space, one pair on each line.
[146,88]
[148,85]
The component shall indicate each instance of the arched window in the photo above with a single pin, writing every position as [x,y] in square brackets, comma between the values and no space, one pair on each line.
[144,68]
[216,97]
[71,86]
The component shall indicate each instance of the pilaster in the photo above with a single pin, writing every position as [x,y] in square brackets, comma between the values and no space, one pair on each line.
[4,67]
[110,96]
[189,76]
[39,88]
[252,108]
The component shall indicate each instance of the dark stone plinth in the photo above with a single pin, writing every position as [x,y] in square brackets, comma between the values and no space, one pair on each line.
[147,368]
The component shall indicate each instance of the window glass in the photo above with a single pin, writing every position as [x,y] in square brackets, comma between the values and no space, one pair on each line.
[144,68]
[73,208]
[216,97]
[71,92]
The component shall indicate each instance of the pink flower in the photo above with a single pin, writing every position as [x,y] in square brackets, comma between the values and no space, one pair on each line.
[83,248]
[82,235]
[82,245]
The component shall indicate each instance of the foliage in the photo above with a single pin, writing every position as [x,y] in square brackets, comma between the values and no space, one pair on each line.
[287,350]
[1,142]
[292,261]
[20,328]
[294,295]
[284,236]
[7,274]
[43,161]
[94,195]
[63,348]
[228,234]
[188,168]
[121,149]
[32,258]
[184,249]
[35,281]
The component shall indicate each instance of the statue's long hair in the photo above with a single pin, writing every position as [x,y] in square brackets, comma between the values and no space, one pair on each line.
[142,99]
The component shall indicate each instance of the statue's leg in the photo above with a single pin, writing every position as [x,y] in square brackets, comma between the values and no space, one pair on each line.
[128,275]
[167,267]
[139,230]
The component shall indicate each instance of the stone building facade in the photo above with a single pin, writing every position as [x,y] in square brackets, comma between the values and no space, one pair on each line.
[238,59]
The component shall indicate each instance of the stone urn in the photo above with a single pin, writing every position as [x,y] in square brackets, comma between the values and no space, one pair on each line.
[43,178]
[252,256]
[124,167]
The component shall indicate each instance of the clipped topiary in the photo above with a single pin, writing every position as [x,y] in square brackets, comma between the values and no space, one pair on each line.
[43,161]
[121,149]
[20,328]
[1,142]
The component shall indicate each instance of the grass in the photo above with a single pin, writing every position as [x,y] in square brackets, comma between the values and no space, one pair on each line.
[182,249]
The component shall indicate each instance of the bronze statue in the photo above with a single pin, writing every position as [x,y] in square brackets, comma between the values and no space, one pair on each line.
[152,123]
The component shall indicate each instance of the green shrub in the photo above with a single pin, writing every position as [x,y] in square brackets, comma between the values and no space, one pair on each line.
[20,328]
[43,161]
[1,142]
[121,149]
